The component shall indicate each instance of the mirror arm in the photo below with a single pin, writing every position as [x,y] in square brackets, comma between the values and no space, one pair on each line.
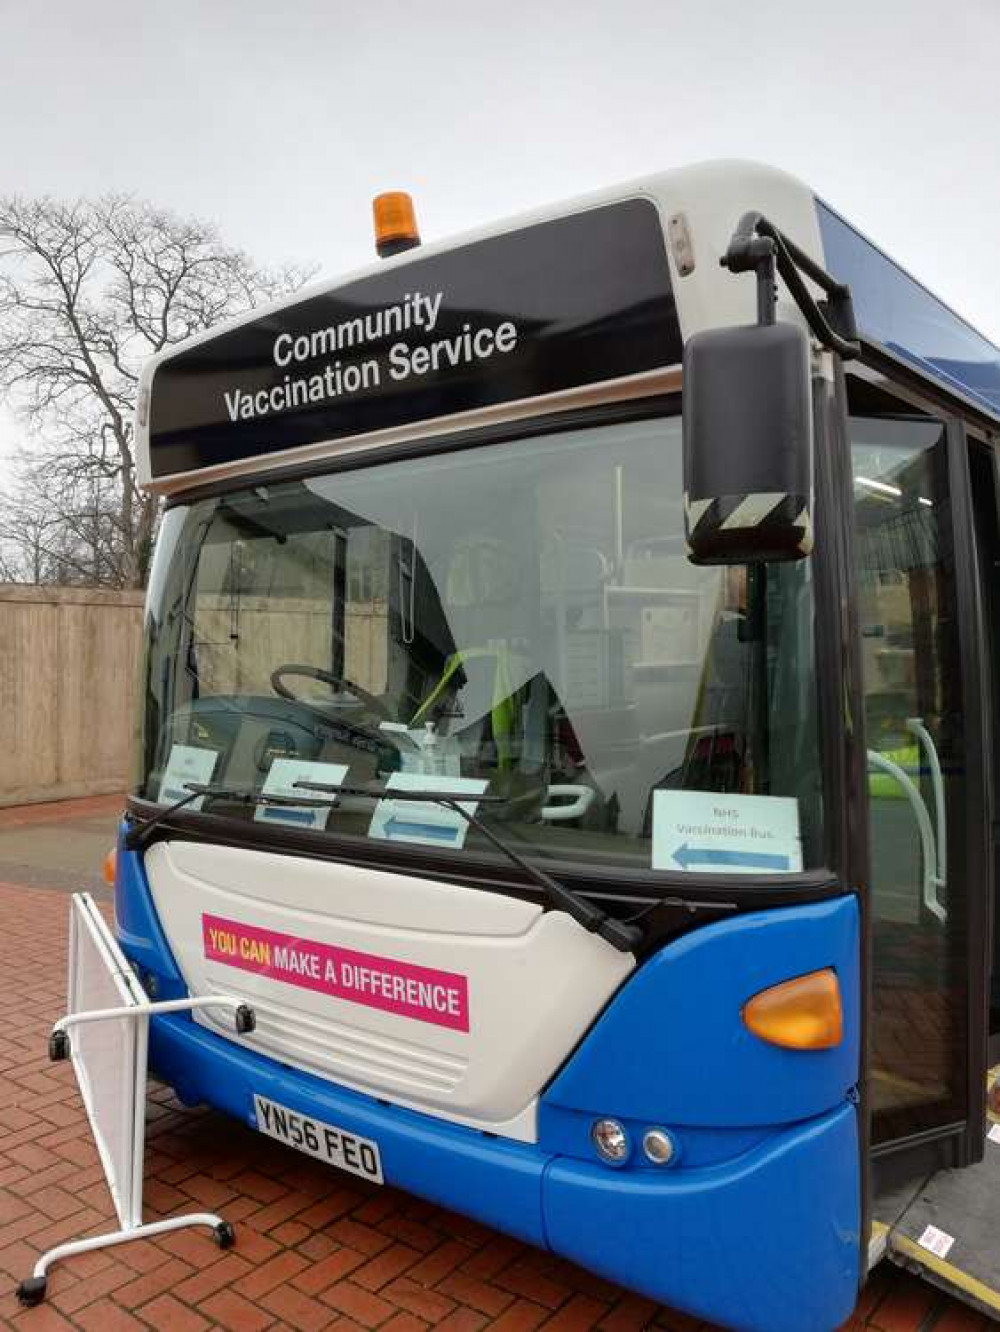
[757,245]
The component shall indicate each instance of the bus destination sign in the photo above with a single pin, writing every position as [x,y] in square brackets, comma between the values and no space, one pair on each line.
[554,306]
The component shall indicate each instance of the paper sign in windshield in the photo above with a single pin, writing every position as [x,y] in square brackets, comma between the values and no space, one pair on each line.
[425,822]
[705,833]
[423,993]
[187,763]
[281,778]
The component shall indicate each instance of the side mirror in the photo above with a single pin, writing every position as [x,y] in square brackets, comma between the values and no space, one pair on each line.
[748,445]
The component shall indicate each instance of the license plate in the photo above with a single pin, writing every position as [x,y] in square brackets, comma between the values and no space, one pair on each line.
[347,1151]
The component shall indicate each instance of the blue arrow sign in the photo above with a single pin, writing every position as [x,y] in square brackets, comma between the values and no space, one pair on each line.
[689,856]
[288,814]
[441,832]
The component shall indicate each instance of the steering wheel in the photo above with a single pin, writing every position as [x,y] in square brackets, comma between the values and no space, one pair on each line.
[335,682]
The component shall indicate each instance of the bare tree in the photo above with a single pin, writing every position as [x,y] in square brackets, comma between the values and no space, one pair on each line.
[60,526]
[88,291]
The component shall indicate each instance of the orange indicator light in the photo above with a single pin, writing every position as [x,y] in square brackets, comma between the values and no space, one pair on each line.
[110,860]
[801,1014]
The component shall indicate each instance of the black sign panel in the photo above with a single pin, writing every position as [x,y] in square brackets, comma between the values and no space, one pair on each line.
[553,306]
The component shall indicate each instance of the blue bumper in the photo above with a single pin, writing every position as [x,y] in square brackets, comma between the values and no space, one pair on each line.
[755,1227]
[767,1242]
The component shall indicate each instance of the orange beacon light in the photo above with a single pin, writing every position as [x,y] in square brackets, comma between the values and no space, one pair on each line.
[395,223]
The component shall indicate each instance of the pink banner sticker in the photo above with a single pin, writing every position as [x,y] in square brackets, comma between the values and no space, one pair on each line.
[423,993]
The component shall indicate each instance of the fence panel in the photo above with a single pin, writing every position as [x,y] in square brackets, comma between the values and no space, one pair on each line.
[69,663]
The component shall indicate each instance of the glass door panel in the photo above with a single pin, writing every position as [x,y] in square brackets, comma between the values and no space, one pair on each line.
[916,771]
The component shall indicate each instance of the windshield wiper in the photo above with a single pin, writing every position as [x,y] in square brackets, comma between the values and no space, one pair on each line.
[137,836]
[621,935]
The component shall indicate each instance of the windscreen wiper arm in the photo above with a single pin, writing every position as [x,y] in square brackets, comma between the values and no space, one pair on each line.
[621,935]
[137,837]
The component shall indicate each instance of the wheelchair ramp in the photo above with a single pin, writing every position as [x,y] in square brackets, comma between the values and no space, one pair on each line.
[950,1232]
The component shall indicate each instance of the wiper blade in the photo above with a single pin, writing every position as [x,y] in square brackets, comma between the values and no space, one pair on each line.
[138,836]
[391,793]
[619,933]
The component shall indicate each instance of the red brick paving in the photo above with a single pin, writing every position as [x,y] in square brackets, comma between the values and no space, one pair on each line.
[314,1250]
[60,811]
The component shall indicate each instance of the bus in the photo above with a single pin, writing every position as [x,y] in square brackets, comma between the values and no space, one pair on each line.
[567,720]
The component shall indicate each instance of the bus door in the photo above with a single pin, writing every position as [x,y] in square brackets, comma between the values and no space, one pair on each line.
[985,470]
[926,561]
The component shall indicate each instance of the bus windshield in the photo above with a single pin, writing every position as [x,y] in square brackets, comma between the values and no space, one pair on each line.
[518,620]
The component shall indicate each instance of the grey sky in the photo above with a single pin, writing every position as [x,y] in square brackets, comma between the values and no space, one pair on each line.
[281,120]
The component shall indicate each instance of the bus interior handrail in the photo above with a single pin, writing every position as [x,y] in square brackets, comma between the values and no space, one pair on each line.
[917,728]
[928,842]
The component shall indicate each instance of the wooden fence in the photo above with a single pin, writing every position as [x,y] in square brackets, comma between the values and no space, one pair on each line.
[69,665]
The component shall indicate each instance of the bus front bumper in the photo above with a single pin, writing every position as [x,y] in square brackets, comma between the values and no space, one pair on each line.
[763,1242]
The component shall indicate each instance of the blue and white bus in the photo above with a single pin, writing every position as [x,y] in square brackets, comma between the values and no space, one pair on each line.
[567,721]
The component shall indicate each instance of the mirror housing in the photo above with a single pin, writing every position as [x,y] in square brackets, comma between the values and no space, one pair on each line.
[748,445]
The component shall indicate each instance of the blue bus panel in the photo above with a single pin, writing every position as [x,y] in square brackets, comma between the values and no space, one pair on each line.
[672,1043]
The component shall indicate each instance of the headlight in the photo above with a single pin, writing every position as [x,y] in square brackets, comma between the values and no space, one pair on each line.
[610,1140]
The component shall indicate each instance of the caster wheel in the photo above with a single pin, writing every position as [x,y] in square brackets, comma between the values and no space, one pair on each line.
[59,1046]
[32,1291]
[225,1235]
